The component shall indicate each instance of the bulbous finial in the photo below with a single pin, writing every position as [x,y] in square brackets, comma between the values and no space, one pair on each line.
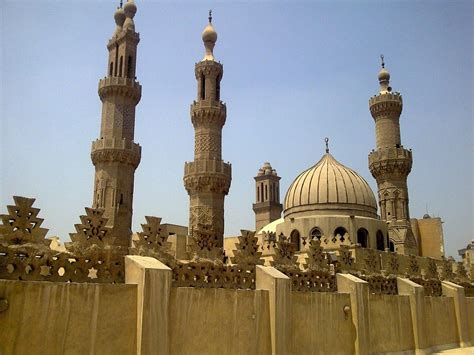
[326,140]
[209,37]
[130,9]
[119,17]
[384,77]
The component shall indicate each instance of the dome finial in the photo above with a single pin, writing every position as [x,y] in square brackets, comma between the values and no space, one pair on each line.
[209,37]
[384,77]
[121,3]
[326,140]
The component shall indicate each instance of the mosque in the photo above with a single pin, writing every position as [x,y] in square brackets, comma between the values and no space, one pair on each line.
[328,201]
[109,281]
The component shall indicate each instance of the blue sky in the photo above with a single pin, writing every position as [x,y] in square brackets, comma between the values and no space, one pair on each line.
[294,73]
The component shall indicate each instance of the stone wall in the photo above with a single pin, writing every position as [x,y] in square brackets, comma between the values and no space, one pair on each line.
[319,325]
[73,318]
[440,322]
[470,320]
[390,323]
[219,321]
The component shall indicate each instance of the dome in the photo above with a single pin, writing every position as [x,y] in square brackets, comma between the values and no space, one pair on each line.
[330,188]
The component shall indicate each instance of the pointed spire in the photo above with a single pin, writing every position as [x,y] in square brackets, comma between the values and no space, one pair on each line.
[384,77]
[209,37]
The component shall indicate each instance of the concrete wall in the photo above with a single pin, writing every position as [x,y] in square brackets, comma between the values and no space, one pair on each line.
[219,321]
[470,318]
[319,325]
[440,321]
[73,318]
[390,323]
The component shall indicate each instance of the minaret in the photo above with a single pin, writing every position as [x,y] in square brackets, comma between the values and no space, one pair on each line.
[267,207]
[207,178]
[390,165]
[115,155]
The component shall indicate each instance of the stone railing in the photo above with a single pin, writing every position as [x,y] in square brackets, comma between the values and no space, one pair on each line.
[213,275]
[207,166]
[313,281]
[25,253]
[108,143]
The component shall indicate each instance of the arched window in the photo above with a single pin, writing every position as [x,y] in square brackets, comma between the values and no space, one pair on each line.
[121,65]
[258,193]
[316,233]
[218,88]
[129,67]
[379,240]
[266,192]
[362,237]
[295,239]
[339,233]
[203,87]
[111,70]
[121,199]
[391,246]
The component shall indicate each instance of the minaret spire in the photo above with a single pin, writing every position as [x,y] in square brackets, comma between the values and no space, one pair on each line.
[207,178]
[390,164]
[326,140]
[115,155]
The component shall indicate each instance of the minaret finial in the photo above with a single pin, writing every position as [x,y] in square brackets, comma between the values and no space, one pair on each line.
[210,16]
[326,140]
[383,63]
[121,4]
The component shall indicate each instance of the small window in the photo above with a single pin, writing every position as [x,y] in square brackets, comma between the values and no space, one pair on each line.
[121,199]
[129,67]
[379,238]
[391,246]
[295,239]
[316,233]
[111,70]
[121,66]
[218,88]
[339,233]
[363,237]
[203,87]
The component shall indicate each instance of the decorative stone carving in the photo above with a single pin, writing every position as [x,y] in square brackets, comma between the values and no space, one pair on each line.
[431,270]
[91,231]
[21,225]
[413,267]
[284,258]
[345,260]
[152,242]
[247,250]
[316,260]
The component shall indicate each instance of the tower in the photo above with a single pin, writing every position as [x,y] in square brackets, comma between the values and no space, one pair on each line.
[207,179]
[267,207]
[390,165]
[115,155]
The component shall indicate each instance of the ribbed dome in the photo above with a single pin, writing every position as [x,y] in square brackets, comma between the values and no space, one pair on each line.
[330,188]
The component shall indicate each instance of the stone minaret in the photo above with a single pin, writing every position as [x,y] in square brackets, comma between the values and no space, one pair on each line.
[207,178]
[267,188]
[115,155]
[390,165]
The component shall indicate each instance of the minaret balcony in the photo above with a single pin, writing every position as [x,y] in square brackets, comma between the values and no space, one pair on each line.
[116,150]
[396,160]
[207,166]
[387,103]
[208,112]
[114,85]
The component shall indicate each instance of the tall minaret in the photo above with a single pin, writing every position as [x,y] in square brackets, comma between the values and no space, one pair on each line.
[115,155]
[267,207]
[390,165]
[207,178]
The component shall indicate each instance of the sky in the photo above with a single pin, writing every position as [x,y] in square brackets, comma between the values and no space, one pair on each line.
[295,72]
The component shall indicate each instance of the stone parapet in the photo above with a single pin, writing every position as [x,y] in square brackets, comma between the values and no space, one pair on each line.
[208,68]
[208,112]
[116,150]
[390,161]
[125,87]
[386,104]
[207,176]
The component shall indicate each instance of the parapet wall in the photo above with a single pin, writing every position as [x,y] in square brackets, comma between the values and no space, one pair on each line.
[67,318]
